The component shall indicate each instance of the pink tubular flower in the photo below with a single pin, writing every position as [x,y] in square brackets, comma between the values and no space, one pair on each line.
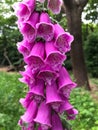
[28,76]
[71,114]
[24,126]
[26,101]
[55,5]
[28,28]
[30,112]
[62,39]
[44,116]
[36,58]
[24,47]
[56,122]
[45,29]
[48,75]
[52,96]
[53,57]
[65,106]
[37,90]
[24,9]
[65,83]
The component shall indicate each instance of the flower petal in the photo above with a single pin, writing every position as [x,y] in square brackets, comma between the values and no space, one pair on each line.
[36,58]
[65,83]
[55,6]
[44,115]
[45,29]
[63,39]
[54,58]
[30,112]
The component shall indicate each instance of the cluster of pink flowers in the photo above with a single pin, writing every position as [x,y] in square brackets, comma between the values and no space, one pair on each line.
[44,49]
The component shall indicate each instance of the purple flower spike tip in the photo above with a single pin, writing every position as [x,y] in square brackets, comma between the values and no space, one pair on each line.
[30,112]
[24,9]
[71,114]
[24,47]
[54,57]
[44,115]
[65,83]
[65,106]
[45,29]
[55,5]
[36,58]
[63,39]
[48,75]
[52,96]
[56,122]
[28,28]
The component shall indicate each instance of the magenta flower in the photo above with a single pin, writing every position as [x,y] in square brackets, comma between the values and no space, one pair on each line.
[63,39]
[65,106]
[36,58]
[28,28]
[30,112]
[44,116]
[65,83]
[24,47]
[37,90]
[45,28]
[56,122]
[49,84]
[48,75]
[26,101]
[24,9]
[53,57]
[29,126]
[55,5]
[71,114]
[28,76]
[52,96]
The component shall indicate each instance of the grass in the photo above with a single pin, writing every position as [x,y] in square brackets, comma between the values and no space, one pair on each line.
[11,90]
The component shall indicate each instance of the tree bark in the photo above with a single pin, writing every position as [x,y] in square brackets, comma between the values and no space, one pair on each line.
[74,10]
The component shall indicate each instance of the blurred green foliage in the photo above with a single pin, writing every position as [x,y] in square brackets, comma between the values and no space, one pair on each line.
[87,119]
[10,92]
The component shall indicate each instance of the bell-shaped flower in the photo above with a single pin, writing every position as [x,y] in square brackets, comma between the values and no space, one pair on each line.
[28,76]
[53,57]
[27,100]
[28,28]
[52,96]
[24,9]
[44,116]
[36,58]
[30,113]
[37,90]
[62,39]
[65,106]
[65,83]
[48,75]
[45,28]
[26,126]
[71,114]
[24,47]
[55,6]
[56,122]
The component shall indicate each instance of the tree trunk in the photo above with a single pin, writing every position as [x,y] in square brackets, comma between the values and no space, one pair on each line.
[73,14]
